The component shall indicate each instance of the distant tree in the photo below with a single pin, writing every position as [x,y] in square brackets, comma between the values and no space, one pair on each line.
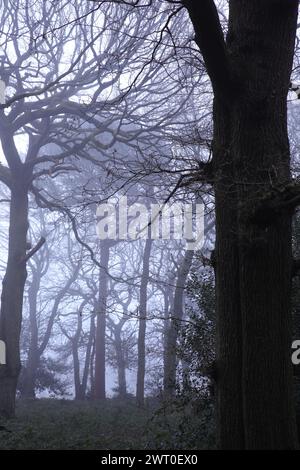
[65,109]
[175,324]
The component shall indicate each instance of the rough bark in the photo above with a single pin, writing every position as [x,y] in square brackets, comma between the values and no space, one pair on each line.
[261,149]
[229,404]
[253,259]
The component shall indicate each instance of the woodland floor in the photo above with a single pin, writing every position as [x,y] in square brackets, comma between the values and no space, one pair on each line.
[111,424]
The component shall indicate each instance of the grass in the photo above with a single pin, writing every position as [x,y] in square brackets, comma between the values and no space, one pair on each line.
[106,425]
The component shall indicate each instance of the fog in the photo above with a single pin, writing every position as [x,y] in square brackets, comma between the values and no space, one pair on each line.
[147,195]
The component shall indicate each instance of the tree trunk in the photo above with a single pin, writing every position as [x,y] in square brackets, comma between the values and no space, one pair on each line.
[170,355]
[99,390]
[121,366]
[12,298]
[166,326]
[253,307]
[76,370]
[140,385]
[88,356]
[33,358]
[296,313]
[229,404]
[80,385]
[35,349]
[250,75]
[92,367]
[260,149]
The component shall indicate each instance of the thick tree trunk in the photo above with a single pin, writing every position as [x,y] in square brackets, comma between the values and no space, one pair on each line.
[12,299]
[229,404]
[99,390]
[254,306]
[250,75]
[296,313]
[170,355]
[140,385]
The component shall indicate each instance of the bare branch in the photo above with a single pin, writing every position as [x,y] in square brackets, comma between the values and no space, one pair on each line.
[210,40]
[34,250]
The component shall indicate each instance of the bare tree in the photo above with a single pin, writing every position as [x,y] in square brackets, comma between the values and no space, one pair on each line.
[65,109]
[143,297]
[100,344]
[174,324]
[250,73]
